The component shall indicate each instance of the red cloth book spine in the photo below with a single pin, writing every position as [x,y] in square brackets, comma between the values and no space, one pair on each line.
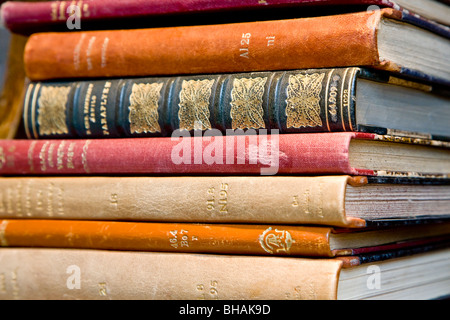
[258,154]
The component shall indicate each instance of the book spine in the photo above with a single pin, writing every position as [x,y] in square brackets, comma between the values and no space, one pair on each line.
[315,153]
[347,40]
[22,17]
[308,200]
[313,100]
[39,273]
[168,237]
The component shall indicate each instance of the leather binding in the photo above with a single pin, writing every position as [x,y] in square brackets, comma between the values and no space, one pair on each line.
[32,273]
[297,200]
[61,274]
[246,239]
[22,17]
[313,100]
[347,40]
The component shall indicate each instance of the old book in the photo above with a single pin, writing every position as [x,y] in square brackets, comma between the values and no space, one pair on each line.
[57,274]
[52,15]
[313,100]
[377,38]
[247,239]
[352,153]
[324,200]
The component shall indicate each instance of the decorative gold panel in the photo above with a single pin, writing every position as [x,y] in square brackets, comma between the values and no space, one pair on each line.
[52,110]
[246,103]
[143,116]
[194,104]
[303,100]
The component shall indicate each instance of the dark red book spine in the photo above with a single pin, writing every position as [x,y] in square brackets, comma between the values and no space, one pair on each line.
[25,16]
[322,153]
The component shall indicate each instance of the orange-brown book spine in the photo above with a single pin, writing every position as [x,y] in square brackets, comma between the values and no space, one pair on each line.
[168,237]
[328,41]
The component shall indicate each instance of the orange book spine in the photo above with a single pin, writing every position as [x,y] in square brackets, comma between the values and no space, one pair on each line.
[328,41]
[167,237]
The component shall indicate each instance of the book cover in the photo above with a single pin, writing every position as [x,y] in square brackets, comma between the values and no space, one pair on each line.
[269,154]
[242,239]
[23,17]
[67,274]
[344,201]
[312,100]
[329,41]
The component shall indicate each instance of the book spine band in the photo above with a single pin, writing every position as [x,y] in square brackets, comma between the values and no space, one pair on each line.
[280,240]
[52,274]
[314,100]
[312,200]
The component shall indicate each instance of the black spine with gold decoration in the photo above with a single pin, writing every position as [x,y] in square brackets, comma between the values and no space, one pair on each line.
[314,100]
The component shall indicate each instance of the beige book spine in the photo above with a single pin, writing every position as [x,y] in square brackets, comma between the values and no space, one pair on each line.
[277,200]
[119,275]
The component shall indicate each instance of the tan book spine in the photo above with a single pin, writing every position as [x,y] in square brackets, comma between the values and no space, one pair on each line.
[274,199]
[96,274]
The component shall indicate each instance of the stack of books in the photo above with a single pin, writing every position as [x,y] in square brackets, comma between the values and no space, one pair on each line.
[286,150]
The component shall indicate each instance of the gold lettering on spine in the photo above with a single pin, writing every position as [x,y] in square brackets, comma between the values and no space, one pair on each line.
[60,201]
[320,200]
[86,12]
[88,53]
[276,241]
[86,109]
[51,164]
[52,110]
[28,199]
[42,156]
[18,200]
[246,103]
[303,100]
[348,98]
[60,156]
[30,155]
[14,285]
[49,200]
[104,50]
[326,99]
[54,11]
[70,155]
[62,11]
[143,116]
[3,226]
[342,91]
[84,156]
[103,103]
[76,52]
[194,104]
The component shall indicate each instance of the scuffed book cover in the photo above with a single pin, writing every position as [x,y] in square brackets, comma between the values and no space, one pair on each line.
[242,239]
[23,17]
[312,100]
[314,153]
[264,45]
